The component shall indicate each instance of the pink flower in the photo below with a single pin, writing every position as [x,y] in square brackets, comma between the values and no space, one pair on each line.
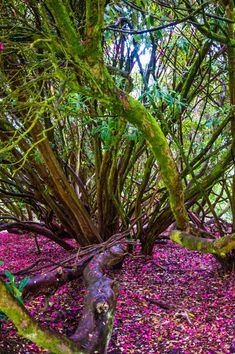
[2,46]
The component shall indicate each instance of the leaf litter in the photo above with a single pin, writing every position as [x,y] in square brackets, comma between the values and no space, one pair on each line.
[175,302]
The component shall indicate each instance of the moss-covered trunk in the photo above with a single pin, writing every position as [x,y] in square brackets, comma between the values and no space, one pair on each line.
[223,248]
[88,59]
[220,247]
[230,13]
[95,328]
[136,114]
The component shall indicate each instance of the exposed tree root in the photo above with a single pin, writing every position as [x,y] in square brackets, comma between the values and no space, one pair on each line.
[55,278]
[64,272]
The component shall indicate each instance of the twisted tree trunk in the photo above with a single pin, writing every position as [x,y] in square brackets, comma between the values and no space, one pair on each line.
[95,328]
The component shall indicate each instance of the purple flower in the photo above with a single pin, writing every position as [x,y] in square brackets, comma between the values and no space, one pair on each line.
[2,46]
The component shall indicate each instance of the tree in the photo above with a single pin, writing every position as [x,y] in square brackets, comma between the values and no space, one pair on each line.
[94,140]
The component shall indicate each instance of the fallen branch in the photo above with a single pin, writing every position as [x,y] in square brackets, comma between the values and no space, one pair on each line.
[32,267]
[167,306]
[61,274]
[164,305]
[185,315]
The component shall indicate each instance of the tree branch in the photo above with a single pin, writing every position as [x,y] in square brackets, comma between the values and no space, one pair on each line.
[172,24]
[220,247]
[38,229]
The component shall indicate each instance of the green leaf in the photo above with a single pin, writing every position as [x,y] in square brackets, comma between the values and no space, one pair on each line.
[9,275]
[183,44]
[17,293]
[209,123]
[1,262]
[119,9]
[159,34]
[23,283]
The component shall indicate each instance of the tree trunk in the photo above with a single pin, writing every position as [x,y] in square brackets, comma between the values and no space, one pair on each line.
[30,329]
[86,231]
[89,64]
[55,278]
[95,328]
[229,10]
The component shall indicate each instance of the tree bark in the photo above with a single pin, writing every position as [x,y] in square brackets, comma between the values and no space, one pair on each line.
[229,10]
[95,328]
[84,226]
[91,67]
[55,278]
[220,247]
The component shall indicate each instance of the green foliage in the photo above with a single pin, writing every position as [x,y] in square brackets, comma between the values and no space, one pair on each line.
[106,129]
[183,44]
[63,105]
[12,285]
[15,290]
[156,94]
[133,133]
[73,104]
[37,156]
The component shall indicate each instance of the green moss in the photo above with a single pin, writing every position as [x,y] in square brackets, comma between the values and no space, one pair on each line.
[200,246]
[175,236]
[220,247]
[94,25]
[62,19]
[137,114]
[110,319]
[104,88]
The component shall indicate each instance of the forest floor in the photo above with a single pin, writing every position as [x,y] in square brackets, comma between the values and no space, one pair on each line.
[174,302]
